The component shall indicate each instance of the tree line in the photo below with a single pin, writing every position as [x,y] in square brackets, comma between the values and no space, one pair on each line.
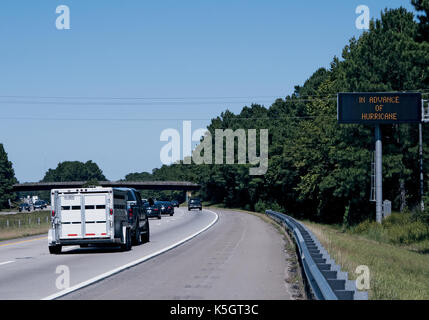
[319,169]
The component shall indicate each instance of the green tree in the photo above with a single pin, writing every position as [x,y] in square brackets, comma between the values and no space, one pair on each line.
[74,171]
[422,5]
[7,179]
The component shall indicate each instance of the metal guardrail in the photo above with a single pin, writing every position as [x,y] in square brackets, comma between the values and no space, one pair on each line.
[324,276]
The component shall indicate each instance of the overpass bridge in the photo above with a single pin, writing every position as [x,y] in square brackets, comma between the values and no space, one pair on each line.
[139,185]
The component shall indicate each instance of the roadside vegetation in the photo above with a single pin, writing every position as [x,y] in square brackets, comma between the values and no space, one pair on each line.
[23,224]
[407,230]
[395,251]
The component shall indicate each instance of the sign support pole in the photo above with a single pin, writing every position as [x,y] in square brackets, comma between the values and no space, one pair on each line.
[422,204]
[378,174]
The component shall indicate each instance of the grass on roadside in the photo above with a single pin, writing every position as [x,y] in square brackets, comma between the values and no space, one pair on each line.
[395,271]
[402,229]
[23,224]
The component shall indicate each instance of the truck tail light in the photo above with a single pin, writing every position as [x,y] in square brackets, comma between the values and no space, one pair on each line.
[53,213]
[111,212]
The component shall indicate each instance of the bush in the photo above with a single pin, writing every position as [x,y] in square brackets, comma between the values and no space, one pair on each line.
[398,228]
[408,233]
[262,206]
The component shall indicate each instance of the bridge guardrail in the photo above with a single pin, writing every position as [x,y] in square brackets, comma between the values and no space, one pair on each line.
[324,276]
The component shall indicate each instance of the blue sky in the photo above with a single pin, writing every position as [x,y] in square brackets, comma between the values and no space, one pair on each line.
[182,60]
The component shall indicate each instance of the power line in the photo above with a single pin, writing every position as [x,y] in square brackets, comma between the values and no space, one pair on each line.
[159,119]
[187,97]
[60,103]
[133,98]
[137,104]
[159,101]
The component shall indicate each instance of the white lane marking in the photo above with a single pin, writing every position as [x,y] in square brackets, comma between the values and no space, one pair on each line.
[6,262]
[129,265]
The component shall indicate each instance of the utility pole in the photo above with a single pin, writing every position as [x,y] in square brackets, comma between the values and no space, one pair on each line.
[378,175]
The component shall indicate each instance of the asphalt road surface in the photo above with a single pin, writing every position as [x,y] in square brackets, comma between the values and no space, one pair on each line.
[236,256]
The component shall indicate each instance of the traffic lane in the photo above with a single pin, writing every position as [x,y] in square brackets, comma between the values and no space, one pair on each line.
[240,257]
[32,275]
[33,262]
[38,243]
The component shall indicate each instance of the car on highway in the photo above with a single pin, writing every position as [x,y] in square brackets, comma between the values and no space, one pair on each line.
[175,203]
[166,207]
[195,203]
[24,207]
[152,211]
[136,216]
[40,204]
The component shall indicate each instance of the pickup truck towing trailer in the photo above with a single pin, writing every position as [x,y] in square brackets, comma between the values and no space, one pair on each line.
[89,216]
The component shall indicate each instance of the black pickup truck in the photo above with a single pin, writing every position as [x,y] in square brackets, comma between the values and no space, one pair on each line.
[137,217]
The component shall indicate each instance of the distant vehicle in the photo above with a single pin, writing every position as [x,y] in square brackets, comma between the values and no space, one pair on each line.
[137,216]
[40,204]
[152,211]
[175,203]
[93,216]
[24,207]
[195,203]
[166,207]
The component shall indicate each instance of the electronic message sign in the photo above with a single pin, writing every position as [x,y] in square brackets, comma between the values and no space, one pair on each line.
[379,108]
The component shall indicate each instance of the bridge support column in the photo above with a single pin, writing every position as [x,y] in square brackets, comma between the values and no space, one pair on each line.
[188,196]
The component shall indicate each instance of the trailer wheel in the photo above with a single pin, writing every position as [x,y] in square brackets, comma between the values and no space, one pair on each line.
[55,249]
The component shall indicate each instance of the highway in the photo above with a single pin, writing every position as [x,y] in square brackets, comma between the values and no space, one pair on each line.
[224,255]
